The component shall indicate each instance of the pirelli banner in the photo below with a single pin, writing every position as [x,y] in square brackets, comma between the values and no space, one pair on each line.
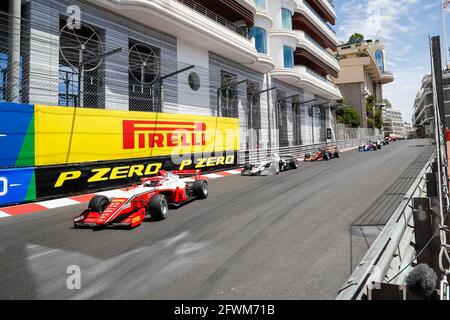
[73,150]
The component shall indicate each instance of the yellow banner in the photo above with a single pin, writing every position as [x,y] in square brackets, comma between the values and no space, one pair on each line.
[71,135]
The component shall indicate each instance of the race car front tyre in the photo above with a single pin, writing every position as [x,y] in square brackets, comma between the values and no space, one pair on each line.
[200,189]
[98,203]
[158,207]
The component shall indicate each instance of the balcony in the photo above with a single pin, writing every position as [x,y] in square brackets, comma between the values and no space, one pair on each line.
[310,22]
[307,79]
[386,77]
[315,54]
[194,23]
[304,6]
[324,8]
[229,11]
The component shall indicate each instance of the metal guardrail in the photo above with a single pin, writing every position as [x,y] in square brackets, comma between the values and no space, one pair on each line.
[257,155]
[375,264]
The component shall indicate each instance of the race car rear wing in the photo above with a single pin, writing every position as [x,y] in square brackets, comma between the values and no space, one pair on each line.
[188,173]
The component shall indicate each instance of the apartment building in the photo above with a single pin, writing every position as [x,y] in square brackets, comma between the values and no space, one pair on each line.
[267,63]
[423,109]
[393,123]
[363,73]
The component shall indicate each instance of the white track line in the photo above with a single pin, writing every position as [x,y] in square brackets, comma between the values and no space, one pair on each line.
[56,203]
[233,171]
[212,175]
[4,214]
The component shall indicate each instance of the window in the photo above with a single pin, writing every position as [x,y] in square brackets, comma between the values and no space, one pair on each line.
[286,16]
[260,36]
[297,132]
[288,54]
[86,42]
[254,114]
[144,85]
[281,119]
[379,57]
[260,4]
[228,95]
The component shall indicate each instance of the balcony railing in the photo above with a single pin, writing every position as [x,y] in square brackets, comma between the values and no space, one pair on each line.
[314,42]
[215,17]
[318,16]
[320,77]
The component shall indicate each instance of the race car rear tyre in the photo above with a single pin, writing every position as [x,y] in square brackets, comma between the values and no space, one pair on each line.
[98,203]
[293,164]
[200,189]
[158,207]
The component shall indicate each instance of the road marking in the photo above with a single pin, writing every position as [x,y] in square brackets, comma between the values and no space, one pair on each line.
[56,203]
[212,175]
[42,253]
[4,214]
[234,171]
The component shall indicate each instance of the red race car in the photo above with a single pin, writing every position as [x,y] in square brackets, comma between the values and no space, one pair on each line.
[151,198]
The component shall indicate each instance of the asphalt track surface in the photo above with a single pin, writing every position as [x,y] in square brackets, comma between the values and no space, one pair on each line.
[277,237]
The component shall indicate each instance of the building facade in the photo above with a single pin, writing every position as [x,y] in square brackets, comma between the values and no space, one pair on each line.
[363,74]
[393,123]
[408,130]
[423,109]
[264,62]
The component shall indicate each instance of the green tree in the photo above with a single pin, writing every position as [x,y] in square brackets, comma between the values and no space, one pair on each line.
[370,106]
[355,38]
[370,123]
[387,103]
[378,119]
[348,116]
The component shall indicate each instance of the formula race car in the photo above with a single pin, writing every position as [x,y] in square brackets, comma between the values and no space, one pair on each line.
[270,167]
[288,162]
[325,153]
[370,146]
[151,198]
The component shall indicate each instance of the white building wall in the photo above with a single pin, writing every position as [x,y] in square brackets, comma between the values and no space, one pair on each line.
[190,101]
[116,73]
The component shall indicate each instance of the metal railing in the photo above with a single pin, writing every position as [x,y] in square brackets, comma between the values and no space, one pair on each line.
[258,155]
[215,17]
[319,17]
[389,245]
[319,76]
[316,44]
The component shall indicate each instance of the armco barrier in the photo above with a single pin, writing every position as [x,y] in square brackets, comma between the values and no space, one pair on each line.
[256,155]
[392,248]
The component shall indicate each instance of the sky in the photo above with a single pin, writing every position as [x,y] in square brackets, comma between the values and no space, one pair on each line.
[404,26]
